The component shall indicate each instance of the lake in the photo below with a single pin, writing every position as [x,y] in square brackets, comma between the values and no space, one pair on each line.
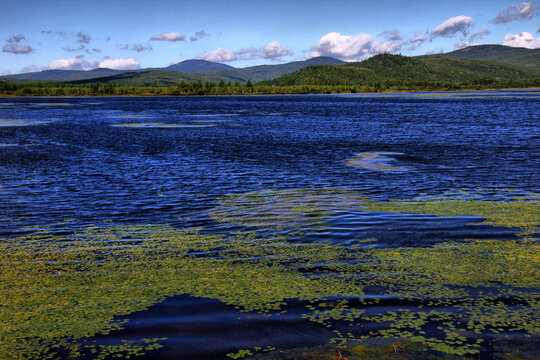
[271,227]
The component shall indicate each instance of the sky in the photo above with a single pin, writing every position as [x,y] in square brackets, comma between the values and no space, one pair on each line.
[37,35]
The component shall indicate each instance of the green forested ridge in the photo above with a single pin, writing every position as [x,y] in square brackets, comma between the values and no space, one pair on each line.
[500,53]
[435,71]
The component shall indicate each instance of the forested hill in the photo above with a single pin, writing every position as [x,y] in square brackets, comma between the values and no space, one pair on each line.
[393,70]
[500,53]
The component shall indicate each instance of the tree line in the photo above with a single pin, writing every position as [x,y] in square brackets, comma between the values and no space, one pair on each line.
[8,88]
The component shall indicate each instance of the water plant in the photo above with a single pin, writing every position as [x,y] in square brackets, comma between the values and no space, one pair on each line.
[61,288]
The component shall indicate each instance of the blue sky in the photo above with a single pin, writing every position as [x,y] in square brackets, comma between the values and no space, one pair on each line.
[84,34]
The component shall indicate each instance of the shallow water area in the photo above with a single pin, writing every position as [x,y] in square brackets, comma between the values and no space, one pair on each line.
[379,226]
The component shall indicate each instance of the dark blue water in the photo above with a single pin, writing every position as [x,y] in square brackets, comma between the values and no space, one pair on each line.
[96,159]
[79,166]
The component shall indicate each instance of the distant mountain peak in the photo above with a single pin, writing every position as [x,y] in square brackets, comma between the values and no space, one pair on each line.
[197,65]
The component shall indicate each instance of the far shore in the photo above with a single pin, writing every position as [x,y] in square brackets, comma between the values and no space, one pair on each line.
[417,92]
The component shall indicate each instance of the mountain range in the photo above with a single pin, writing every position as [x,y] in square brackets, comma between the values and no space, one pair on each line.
[207,71]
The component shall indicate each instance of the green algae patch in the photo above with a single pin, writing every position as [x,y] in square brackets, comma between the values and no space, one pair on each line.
[161,125]
[379,161]
[524,215]
[59,288]
[58,291]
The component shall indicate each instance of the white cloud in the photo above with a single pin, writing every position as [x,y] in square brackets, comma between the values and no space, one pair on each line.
[392,35]
[479,34]
[198,35]
[83,38]
[247,53]
[521,11]
[17,49]
[53,32]
[79,63]
[415,42]
[382,46]
[523,39]
[120,64]
[136,47]
[218,55]
[172,36]
[418,38]
[14,47]
[348,47]
[71,49]
[461,45]
[30,68]
[453,26]
[435,51]
[4,73]
[74,63]
[274,50]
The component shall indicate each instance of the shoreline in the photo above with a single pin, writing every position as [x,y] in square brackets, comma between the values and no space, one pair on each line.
[353,94]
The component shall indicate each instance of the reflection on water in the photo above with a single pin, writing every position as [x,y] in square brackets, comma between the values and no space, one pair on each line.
[265,239]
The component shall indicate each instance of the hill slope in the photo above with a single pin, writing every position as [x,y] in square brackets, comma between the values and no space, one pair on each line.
[194,65]
[267,72]
[500,53]
[143,78]
[398,69]
[65,75]
[167,77]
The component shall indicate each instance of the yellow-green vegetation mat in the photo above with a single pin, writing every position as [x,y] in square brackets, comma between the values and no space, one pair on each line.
[60,289]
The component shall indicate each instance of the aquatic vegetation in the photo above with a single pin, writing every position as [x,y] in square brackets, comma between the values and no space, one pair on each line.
[57,289]
[299,208]
[161,125]
[379,160]
[524,215]
[8,123]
